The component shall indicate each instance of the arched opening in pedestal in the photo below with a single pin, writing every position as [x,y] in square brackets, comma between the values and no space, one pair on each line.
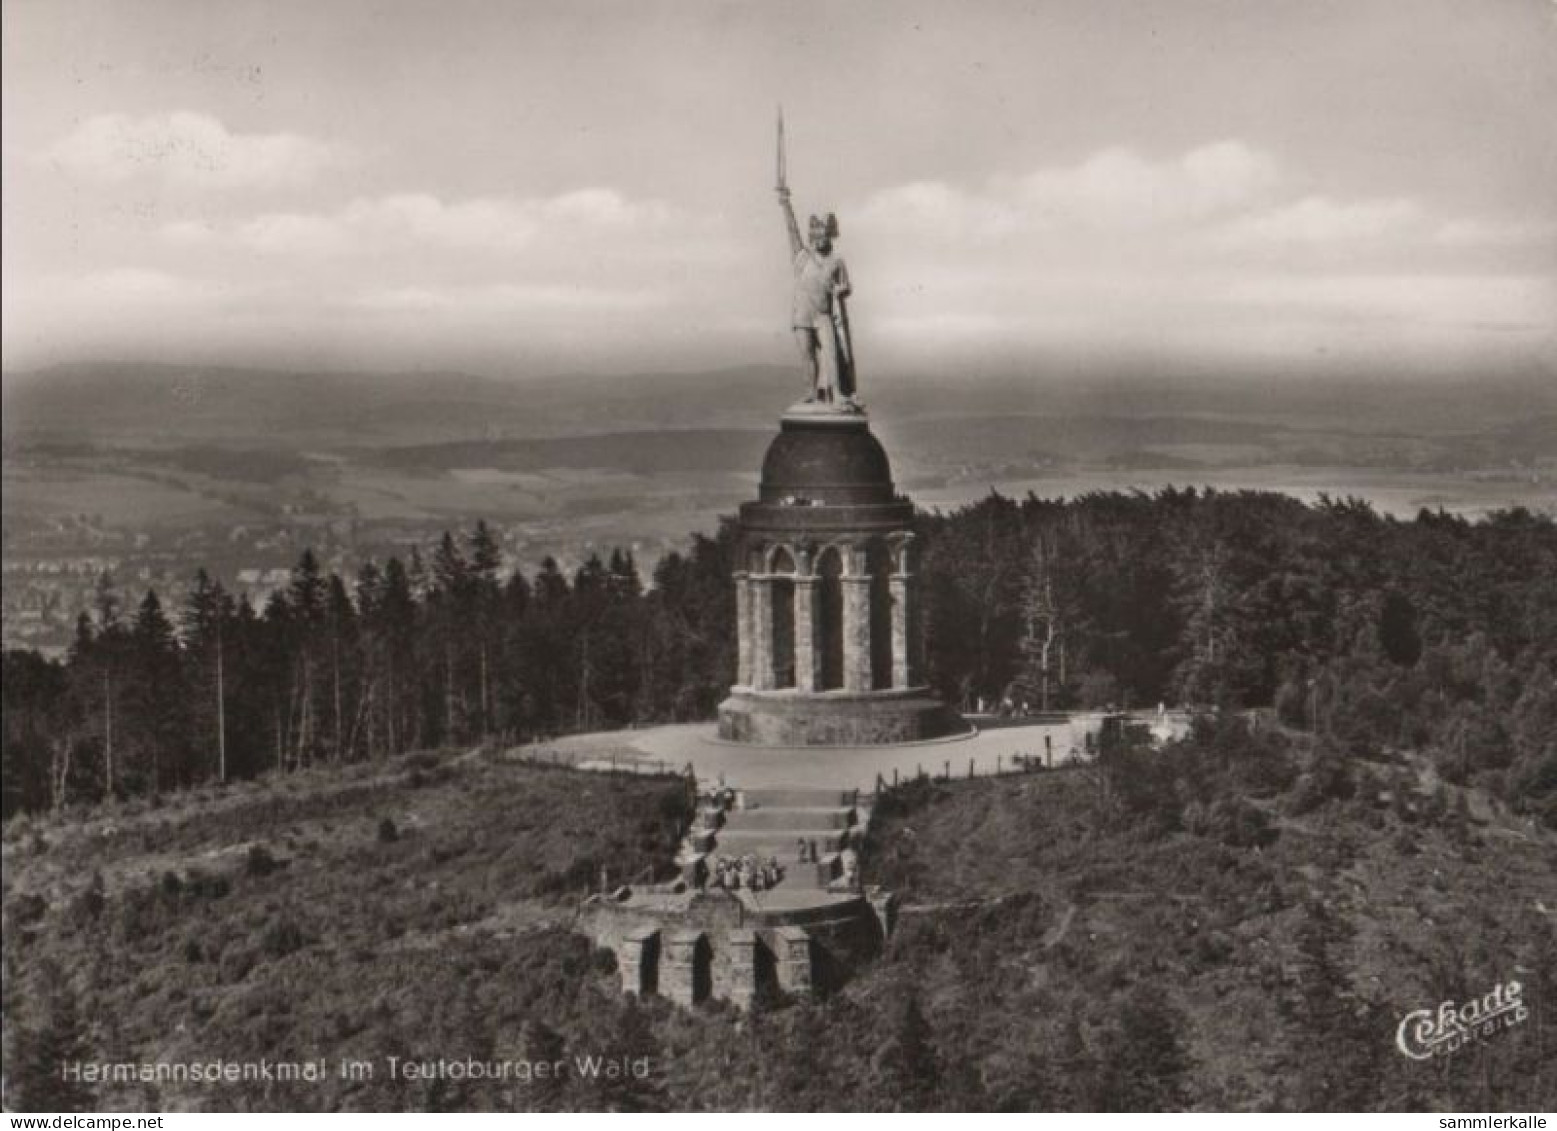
[878,564]
[783,635]
[782,604]
[829,620]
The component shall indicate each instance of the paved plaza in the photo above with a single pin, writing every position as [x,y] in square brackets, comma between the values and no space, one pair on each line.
[747,767]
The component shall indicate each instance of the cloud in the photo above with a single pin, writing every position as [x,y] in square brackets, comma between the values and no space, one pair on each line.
[1118,187]
[584,272]
[1467,232]
[73,307]
[505,298]
[1220,198]
[133,286]
[1445,301]
[286,233]
[187,150]
[1215,250]
[494,223]
[1113,189]
[1320,220]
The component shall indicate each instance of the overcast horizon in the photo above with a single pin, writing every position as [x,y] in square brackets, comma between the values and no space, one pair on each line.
[559,188]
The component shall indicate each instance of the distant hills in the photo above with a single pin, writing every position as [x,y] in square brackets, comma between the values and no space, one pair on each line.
[650,455]
[182,405]
[179,405]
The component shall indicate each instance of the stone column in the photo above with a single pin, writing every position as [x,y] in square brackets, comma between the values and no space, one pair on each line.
[742,629]
[678,967]
[907,664]
[792,946]
[856,622]
[808,657]
[738,968]
[903,666]
[762,633]
[638,959]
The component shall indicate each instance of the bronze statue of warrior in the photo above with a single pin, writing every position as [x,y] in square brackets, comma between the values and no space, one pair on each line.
[818,315]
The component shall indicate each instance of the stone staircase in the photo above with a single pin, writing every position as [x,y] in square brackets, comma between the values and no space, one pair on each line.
[796,817]
[772,823]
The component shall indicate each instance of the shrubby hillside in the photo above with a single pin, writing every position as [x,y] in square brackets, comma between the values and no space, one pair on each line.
[419,907]
[1239,921]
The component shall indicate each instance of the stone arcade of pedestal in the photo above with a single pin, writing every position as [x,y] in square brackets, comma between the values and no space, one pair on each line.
[827,613]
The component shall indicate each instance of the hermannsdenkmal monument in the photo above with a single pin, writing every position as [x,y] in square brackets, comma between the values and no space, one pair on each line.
[830,705]
[769,899]
[827,606]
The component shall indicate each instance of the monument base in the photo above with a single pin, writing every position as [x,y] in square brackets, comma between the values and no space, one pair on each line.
[819,413]
[835,718]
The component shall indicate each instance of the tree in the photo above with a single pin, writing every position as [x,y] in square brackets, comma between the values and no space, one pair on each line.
[98,659]
[248,691]
[299,622]
[106,602]
[539,1044]
[513,705]
[486,558]
[1339,1030]
[156,701]
[1532,779]
[35,758]
[628,1090]
[1219,667]
[486,561]
[1398,634]
[400,625]
[450,613]
[41,1042]
[207,619]
[1141,1062]
[547,637]
[341,618]
[1107,599]
[307,589]
[1046,615]
[908,1070]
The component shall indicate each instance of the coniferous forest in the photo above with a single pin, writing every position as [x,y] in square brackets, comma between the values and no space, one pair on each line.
[1437,634]
[1237,920]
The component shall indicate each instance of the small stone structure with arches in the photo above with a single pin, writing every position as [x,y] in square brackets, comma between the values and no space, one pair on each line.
[799,932]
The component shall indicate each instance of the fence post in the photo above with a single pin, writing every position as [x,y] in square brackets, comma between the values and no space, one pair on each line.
[948,769]
[997,765]
[970,769]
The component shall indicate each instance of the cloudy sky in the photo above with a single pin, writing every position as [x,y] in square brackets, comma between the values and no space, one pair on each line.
[535,186]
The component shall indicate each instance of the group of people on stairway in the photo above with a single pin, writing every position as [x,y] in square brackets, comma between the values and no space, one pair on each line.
[748,872]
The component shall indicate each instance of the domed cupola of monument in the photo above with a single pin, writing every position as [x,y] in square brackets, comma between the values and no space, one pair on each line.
[836,463]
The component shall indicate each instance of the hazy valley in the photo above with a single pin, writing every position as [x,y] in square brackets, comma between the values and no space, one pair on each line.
[150,471]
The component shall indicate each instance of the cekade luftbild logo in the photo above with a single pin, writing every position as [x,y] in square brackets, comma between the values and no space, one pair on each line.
[1426,1033]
